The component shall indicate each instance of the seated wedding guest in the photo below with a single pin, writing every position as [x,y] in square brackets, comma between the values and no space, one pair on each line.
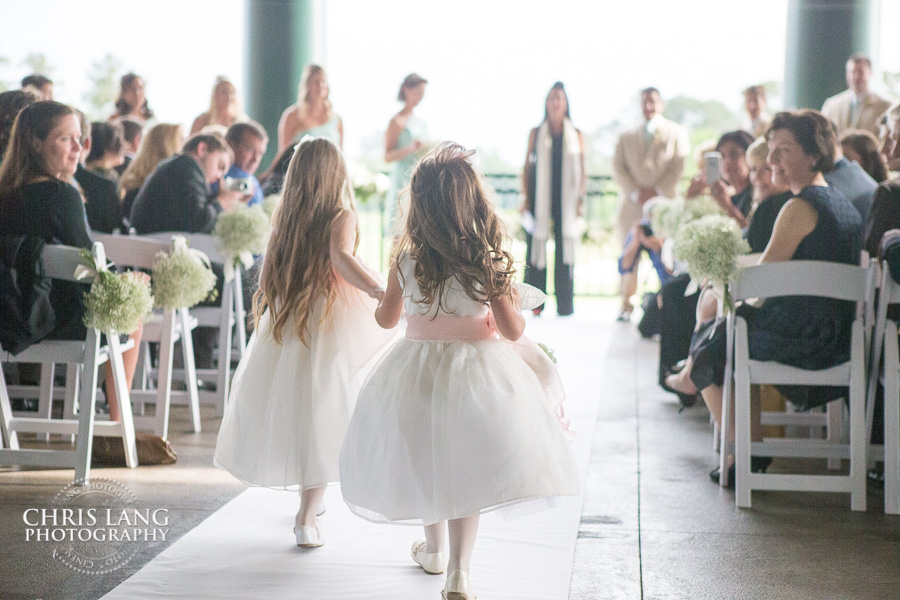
[40,84]
[733,192]
[885,126]
[851,180]
[132,101]
[680,312]
[248,143]
[161,141]
[755,104]
[312,114]
[107,149]
[36,199]
[817,223]
[176,196]
[11,104]
[273,179]
[768,197]
[885,213]
[224,107]
[863,147]
[101,194]
[132,133]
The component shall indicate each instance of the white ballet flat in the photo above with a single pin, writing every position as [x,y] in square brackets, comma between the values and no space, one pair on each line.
[309,537]
[432,563]
[457,587]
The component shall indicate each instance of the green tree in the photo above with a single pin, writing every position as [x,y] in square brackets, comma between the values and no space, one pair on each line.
[37,63]
[104,77]
[4,63]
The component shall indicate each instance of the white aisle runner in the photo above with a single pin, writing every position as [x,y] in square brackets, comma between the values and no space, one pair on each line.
[246,549]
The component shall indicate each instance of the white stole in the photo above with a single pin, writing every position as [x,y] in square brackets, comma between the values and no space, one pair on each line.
[571,183]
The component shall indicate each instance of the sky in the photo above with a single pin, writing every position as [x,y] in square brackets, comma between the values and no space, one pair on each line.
[489,63]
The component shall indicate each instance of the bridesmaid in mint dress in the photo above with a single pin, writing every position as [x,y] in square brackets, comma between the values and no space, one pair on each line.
[403,141]
[312,115]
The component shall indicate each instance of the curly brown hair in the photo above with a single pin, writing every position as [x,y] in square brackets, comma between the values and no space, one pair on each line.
[453,231]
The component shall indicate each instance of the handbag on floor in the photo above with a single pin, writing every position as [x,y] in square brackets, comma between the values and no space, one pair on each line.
[151,450]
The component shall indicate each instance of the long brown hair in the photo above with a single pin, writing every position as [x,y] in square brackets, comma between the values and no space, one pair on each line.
[22,161]
[297,273]
[452,230]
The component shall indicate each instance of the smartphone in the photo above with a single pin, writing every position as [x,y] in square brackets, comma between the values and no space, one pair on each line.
[711,164]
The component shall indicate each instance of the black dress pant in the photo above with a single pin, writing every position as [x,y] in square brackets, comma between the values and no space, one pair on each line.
[564,275]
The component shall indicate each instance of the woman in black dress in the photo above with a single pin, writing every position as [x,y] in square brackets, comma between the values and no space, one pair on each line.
[817,223]
[555,186]
[37,199]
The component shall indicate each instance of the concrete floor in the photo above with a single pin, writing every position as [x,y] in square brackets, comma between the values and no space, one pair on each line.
[653,524]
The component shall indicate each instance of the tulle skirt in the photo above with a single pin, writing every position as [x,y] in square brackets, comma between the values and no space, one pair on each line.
[449,429]
[290,403]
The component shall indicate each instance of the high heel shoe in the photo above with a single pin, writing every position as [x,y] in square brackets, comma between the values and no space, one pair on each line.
[309,537]
[457,587]
[758,464]
[432,563]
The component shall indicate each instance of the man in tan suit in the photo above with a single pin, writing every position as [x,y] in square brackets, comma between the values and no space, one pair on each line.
[856,107]
[648,162]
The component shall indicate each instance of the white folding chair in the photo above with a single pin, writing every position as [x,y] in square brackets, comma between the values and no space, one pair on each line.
[800,278]
[166,327]
[229,318]
[82,357]
[884,368]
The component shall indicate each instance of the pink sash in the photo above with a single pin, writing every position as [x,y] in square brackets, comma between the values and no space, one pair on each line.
[464,329]
[473,329]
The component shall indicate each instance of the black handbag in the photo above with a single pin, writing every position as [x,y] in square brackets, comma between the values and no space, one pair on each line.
[28,316]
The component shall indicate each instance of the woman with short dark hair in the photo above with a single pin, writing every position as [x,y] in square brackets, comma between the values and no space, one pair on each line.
[817,223]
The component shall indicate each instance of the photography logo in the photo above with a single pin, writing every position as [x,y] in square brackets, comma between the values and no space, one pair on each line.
[94,528]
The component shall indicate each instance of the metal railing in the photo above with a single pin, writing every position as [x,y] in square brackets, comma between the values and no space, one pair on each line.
[595,259]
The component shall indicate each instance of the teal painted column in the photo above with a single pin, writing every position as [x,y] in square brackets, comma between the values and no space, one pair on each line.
[821,35]
[282,36]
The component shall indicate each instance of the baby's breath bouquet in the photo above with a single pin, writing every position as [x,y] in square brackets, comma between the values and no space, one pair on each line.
[270,203]
[669,216]
[181,279]
[710,246]
[117,301]
[243,231]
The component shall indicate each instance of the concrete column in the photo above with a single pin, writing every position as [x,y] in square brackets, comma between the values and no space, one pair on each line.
[282,36]
[821,35]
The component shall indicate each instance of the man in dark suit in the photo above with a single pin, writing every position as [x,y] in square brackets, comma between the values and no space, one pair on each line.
[102,204]
[176,196]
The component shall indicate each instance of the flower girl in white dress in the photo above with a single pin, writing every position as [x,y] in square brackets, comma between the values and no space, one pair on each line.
[452,422]
[295,388]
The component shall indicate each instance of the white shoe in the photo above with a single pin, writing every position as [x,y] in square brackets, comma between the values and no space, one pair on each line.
[321,509]
[309,537]
[433,563]
[457,587]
